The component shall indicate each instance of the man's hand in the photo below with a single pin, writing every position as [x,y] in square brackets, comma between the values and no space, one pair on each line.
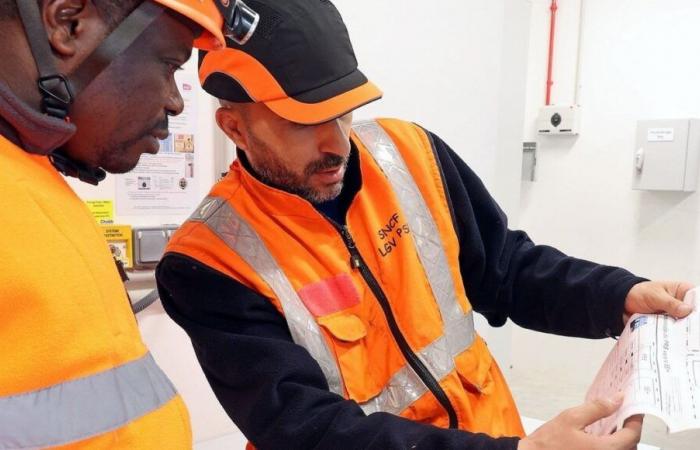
[658,297]
[566,431]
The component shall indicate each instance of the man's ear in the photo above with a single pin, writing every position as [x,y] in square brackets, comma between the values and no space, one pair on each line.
[231,123]
[74,28]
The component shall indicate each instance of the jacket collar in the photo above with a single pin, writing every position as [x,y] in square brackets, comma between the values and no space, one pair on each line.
[37,133]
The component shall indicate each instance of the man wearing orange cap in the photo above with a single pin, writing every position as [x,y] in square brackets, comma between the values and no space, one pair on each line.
[86,86]
[328,282]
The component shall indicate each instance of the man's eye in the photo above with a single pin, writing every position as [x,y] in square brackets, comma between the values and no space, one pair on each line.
[174,67]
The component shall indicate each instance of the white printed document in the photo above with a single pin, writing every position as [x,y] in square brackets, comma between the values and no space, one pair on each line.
[656,363]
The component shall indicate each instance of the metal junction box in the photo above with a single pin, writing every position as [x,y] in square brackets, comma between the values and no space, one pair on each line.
[149,244]
[559,120]
[667,155]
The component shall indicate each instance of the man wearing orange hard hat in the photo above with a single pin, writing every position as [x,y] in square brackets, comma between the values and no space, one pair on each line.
[86,87]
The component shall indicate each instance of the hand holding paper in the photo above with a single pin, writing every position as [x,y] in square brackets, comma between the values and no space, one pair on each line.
[656,364]
[658,297]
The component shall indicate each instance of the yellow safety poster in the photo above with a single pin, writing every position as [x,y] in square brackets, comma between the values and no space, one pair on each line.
[101,210]
[119,239]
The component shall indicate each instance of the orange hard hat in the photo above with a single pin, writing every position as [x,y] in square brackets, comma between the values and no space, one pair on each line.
[205,14]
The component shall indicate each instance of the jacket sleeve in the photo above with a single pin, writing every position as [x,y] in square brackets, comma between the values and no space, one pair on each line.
[507,276]
[272,388]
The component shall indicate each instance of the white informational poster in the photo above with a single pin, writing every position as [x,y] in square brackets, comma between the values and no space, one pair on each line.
[165,183]
[656,363]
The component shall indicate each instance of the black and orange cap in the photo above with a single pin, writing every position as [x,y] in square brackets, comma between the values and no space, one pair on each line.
[299,63]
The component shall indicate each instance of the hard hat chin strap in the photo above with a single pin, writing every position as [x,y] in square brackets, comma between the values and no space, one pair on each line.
[115,44]
[55,89]
[72,168]
[58,91]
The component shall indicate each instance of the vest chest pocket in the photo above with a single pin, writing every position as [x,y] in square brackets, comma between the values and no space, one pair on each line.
[346,334]
[474,368]
[345,327]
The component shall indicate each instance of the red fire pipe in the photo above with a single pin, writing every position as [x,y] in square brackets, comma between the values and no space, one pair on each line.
[552,25]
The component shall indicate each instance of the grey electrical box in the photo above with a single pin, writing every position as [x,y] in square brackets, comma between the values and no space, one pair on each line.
[149,244]
[667,155]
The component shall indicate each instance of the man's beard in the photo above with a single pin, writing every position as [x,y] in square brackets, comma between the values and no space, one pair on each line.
[273,173]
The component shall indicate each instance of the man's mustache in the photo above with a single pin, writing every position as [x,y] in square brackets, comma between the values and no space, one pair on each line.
[330,161]
[161,125]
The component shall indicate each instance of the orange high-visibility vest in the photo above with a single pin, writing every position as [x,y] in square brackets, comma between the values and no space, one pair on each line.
[379,303]
[74,372]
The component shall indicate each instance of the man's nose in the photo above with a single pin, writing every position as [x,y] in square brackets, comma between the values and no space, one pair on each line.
[174,104]
[334,137]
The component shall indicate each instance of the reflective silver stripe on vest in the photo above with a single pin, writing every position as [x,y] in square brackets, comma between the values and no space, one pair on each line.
[458,326]
[226,223]
[83,408]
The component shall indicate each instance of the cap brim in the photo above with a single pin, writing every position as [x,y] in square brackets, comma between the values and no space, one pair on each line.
[314,113]
[222,70]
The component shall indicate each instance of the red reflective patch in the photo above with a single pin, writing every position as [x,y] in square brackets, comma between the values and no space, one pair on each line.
[330,295]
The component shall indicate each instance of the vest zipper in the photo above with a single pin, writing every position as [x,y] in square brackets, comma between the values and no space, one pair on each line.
[357,262]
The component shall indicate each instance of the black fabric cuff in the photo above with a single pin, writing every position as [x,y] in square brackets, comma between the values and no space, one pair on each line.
[508,443]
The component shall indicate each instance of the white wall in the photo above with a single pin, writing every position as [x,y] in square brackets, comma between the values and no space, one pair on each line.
[638,61]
